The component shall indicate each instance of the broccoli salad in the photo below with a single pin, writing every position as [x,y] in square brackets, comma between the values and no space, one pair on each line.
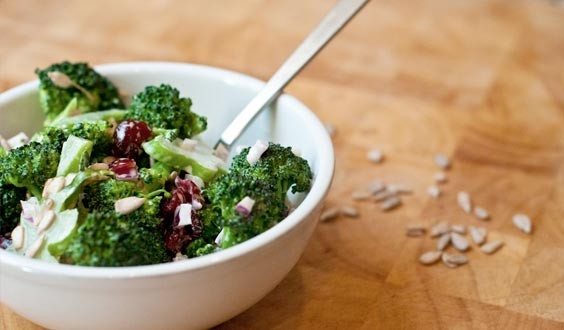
[109,184]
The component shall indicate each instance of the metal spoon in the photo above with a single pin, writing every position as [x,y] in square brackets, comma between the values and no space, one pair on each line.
[333,22]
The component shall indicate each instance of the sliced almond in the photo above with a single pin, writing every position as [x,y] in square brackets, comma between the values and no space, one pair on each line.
[434,191]
[461,229]
[481,213]
[35,246]
[443,241]
[478,235]
[415,231]
[491,247]
[523,223]
[329,214]
[360,195]
[429,258]
[128,204]
[459,242]
[47,220]
[464,201]
[445,257]
[439,229]
[390,203]
[349,211]
[18,237]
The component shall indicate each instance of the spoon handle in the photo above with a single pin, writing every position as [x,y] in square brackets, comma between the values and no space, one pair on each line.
[331,24]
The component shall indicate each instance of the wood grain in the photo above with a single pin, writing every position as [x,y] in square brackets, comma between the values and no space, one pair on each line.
[481,81]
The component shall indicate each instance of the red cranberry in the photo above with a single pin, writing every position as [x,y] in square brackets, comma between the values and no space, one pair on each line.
[125,169]
[128,137]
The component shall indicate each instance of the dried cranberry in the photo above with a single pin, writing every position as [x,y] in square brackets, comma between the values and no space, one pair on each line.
[128,137]
[176,238]
[125,169]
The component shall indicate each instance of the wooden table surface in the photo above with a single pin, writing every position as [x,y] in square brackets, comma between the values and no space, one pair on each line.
[481,81]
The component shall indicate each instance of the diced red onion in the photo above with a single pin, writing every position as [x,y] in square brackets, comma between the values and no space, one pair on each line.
[256,151]
[184,215]
[196,205]
[245,206]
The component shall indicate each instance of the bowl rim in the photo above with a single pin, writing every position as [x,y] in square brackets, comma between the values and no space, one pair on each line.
[321,184]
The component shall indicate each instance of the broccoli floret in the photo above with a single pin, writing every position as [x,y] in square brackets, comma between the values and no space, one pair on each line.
[91,90]
[99,132]
[278,165]
[31,165]
[101,196]
[162,107]
[266,182]
[199,248]
[155,177]
[10,207]
[108,239]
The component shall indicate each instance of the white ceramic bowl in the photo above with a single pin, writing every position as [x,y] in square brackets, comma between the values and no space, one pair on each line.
[196,293]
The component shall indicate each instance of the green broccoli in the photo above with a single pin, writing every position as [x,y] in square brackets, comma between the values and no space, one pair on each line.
[162,107]
[155,177]
[266,182]
[199,248]
[62,82]
[108,239]
[10,207]
[31,165]
[101,196]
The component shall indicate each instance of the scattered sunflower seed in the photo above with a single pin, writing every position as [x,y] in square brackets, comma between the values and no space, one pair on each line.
[439,229]
[434,191]
[446,260]
[492,247]
[415,231]
[442,161]
[443,241]
[464,201]
[329,214]
[390,203]
[429,258]
[376,187]
[375,156]
[53,185]
[383,195]
[481,213]
[478,234]
[60,79]
[48,205]
[458,229]
[440,177]
[18,237]
[523,223]
[99,166]
[398,188]
[46,220]
[349,211]
[109,159]
[459,242]
[128,204]
[360,195]
[34,247]
[458,259]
